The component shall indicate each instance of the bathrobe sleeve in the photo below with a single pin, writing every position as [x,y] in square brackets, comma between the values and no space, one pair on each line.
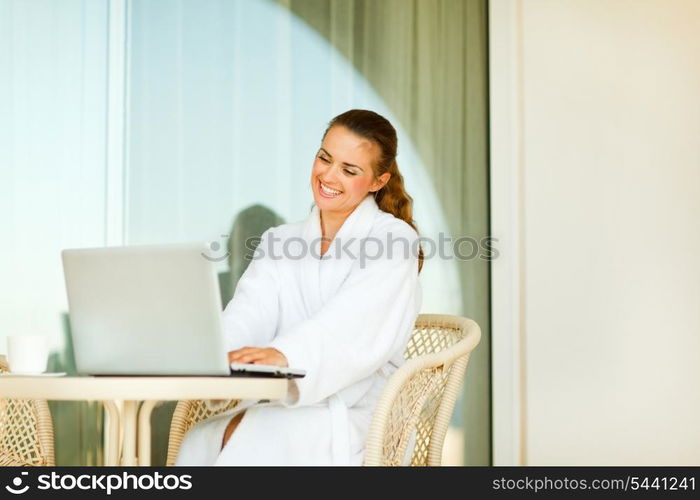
[250,318]
[357,331]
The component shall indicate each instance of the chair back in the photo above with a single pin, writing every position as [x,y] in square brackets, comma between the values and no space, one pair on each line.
[26,430]
[418,401]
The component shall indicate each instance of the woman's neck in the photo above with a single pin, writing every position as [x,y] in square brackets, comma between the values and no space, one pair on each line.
[331,223]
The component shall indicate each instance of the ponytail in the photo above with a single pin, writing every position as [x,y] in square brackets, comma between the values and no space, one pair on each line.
[394,199]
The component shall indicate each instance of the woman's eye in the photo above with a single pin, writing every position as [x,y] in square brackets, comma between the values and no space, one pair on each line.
[324,160]
[349,172]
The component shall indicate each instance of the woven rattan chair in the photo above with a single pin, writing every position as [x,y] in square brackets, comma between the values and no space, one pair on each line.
[418,401]
[26,430]
[416,404]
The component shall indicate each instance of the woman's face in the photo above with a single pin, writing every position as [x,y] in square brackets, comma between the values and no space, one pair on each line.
[343,171]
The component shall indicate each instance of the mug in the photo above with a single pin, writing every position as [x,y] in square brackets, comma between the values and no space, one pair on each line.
[27,353]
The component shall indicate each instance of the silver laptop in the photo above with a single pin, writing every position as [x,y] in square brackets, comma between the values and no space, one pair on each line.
[145,310]
[150,310]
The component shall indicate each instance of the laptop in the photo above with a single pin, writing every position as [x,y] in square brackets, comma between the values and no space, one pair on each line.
[150,310]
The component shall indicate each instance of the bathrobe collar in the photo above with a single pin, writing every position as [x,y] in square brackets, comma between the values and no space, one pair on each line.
[341,255]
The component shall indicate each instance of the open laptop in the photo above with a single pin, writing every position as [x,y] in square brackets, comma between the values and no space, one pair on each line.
[149,310]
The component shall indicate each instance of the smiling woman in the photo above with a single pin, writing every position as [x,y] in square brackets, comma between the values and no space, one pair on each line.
[365,147]
[333,176]
[341,179]
[343,320]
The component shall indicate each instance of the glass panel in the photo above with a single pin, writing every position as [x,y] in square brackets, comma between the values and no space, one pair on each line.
[52,181]
[228,102]
[226,105]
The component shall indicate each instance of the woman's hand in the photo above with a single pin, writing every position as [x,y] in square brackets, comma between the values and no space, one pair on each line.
[258,356]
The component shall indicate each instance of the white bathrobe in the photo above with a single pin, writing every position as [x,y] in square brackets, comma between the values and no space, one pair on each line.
[343,318]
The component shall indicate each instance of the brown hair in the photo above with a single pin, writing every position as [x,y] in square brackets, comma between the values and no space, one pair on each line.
[391,198]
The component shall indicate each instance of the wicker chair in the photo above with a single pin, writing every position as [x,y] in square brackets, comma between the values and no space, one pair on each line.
[418,401]
[416,404]
[188,413]
[26,430]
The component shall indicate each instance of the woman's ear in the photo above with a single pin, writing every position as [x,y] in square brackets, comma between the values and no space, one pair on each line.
[380,182]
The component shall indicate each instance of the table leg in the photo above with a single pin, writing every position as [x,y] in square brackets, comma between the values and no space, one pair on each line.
[130,412]
[144,432]
[111,452]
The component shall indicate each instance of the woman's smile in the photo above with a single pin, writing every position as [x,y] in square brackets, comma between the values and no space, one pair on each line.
[343,173]
[326,191]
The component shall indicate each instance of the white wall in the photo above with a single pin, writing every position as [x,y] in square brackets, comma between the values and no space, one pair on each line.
[596,136]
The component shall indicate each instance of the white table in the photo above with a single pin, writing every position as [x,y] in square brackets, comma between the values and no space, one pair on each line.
[139,396]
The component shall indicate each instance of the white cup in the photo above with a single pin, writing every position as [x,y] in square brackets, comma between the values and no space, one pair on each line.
[27,353]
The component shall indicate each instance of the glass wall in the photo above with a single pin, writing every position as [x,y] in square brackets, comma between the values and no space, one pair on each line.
[225,103]
[53,57]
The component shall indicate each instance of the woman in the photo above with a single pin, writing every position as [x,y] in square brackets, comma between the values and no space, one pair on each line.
[327,295]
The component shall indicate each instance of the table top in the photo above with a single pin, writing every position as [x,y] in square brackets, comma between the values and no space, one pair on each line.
[141,388]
